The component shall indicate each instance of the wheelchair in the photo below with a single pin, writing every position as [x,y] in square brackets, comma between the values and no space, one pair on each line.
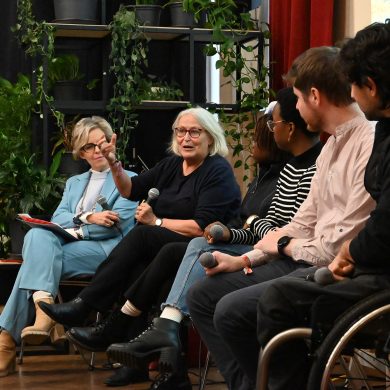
[354,354]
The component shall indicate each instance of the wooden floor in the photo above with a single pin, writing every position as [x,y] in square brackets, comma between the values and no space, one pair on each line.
[67,372]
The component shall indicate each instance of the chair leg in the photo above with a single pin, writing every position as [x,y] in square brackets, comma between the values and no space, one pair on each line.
[92,360]
[203,377]
[21,353]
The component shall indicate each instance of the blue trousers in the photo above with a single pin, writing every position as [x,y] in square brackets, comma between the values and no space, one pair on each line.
[190,270]
[47,260]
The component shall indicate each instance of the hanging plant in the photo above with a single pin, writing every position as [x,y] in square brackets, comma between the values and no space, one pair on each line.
[129,48]
[236,64]
[37,39]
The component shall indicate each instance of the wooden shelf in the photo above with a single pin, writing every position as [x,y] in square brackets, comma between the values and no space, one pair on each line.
[76,30]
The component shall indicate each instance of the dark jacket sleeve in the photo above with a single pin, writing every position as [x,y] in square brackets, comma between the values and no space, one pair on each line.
[371,247]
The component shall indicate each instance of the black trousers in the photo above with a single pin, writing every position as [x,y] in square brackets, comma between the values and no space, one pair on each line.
[223,309]
[125,264]
[158,277]
[293,301]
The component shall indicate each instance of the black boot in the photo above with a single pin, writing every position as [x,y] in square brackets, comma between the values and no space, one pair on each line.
[113,329]
[173,380]
[73,313]
[160,340]
[126,375]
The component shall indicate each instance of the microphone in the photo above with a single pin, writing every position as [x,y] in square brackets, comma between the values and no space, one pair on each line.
[216,231]
[324,276]
[208,260]
[103,202]
[153,193]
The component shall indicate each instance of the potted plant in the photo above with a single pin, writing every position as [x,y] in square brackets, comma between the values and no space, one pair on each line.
[76,11]
[179,16]
[163,91]
[24,186]
[65,78]
[147,12]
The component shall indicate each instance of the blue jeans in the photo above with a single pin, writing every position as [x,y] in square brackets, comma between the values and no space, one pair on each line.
[190,270]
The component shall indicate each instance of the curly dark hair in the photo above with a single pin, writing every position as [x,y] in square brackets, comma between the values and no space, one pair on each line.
[368,55]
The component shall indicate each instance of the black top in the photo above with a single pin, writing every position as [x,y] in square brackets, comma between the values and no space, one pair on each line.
[259,194]
[371,247]
[208,194]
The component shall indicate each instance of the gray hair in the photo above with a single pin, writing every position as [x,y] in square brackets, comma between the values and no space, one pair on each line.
[208,123]
[82,129]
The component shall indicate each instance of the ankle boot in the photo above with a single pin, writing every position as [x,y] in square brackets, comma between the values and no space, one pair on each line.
[124,376]
[73,313]
[161,340]
[7,353]
[113,329]
[42,328]
[167,380]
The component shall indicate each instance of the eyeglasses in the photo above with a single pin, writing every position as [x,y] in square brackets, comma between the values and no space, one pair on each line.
[271,125]
[181,132]
[89,148]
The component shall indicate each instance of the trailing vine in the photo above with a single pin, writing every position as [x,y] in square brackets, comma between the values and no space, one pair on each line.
[37,39]
[129,49]
[236,63]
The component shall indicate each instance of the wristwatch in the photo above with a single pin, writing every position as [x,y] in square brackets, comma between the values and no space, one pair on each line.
[282,243]
[158,222]
[250,219]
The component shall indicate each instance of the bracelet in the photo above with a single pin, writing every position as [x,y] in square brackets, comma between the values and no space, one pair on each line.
[247,265]
[118,168]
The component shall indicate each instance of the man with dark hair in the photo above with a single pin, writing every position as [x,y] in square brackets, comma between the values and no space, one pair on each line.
[362,264]
[223,307]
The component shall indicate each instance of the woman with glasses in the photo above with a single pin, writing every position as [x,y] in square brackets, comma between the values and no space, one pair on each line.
[48,258]
[196,187]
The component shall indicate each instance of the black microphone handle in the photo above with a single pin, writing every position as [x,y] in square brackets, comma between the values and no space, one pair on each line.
[103,203]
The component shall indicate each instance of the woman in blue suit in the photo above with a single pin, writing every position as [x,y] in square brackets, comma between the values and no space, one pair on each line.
[48,258]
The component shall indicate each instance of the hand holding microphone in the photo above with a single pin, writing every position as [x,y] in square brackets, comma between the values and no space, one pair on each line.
[324,276]
[107,219]
[144,213]
[208,260]
[216,232]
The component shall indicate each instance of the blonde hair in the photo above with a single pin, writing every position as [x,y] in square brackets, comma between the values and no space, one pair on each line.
[82,129]
[208,122]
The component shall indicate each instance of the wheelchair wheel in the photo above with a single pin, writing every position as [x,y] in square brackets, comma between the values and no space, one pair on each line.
[355,354]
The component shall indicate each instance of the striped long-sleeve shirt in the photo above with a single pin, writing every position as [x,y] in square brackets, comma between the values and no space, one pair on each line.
[291,190]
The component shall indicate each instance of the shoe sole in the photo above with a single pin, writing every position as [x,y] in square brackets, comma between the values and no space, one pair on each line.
[73,340]
[35,337]
[9,370]
[138,360]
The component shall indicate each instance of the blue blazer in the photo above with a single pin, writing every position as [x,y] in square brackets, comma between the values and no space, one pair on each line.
[107,237]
